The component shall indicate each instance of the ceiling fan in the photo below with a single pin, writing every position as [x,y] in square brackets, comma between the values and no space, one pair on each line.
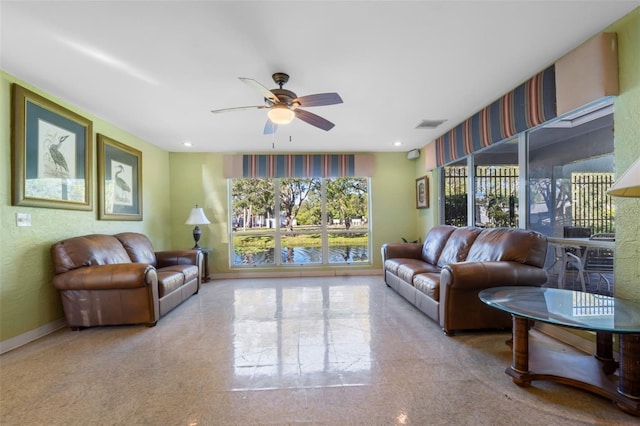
[283,105]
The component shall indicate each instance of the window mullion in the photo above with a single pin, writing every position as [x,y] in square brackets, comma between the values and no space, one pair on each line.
[277,235]
[323,219]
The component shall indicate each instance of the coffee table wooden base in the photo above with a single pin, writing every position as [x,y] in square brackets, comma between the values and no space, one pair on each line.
[588,372]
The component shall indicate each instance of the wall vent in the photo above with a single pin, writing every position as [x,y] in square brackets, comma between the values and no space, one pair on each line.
[429,124]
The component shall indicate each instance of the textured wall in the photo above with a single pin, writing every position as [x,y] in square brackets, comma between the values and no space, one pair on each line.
[27,299]
[627,149]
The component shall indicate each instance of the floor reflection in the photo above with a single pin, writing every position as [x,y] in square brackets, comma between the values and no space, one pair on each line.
[319,351]
[301,336]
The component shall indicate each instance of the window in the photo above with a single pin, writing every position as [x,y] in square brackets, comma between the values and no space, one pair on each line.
[495,189]
[570,169]
[455,194]
[314,221]
[496,186]
[552,179]
[569,164]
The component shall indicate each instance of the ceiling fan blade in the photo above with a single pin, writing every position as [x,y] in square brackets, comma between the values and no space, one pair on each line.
[266,93]
[215,111]
[270,127]
[313,119]
[318,99]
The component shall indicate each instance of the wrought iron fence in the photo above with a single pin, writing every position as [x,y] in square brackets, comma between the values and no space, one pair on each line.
[496,189]
[591,206]
[455,195]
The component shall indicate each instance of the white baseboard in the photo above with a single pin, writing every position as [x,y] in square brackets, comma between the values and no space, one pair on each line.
[31,335]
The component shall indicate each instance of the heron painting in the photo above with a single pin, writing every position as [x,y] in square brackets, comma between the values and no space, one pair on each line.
[58,148]
[52,149]
[59,161]
[122,176]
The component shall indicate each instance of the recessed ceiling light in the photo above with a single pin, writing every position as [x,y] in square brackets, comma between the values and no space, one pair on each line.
[187,143]
[397,143]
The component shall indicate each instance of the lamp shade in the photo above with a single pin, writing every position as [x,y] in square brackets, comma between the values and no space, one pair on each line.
[280,114]
[627,185]
[197,217]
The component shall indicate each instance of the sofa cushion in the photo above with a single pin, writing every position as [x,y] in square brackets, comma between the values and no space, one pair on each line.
[434,242]
[411,267]
[174,276]
[168,281]
[188,271]
[392,265]
[509,244]
[88,250]
[429,284]
[458,245]
[138,246]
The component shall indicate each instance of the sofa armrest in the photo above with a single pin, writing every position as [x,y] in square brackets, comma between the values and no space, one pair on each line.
[405,250]
[178,257]
[481,275]
[460,307]
[105,277]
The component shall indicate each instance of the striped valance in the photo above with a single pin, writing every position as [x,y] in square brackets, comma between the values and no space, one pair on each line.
[530,104]
[298,165]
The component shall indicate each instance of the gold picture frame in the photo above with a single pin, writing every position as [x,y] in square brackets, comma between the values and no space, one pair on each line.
[422,193]
[51,154]
[119,180]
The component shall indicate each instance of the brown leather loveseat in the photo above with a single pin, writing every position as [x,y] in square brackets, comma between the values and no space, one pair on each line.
[443,276]
[119,279]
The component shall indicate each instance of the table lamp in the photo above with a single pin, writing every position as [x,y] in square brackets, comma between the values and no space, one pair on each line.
[196,218]
[627,185]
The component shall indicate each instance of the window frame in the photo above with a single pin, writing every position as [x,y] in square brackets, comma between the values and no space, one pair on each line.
[279,232]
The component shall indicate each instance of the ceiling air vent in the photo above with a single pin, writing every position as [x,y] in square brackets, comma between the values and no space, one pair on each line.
[429,124]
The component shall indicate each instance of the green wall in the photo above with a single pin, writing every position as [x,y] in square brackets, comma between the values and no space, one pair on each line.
[27,299]
[201,182]
[627,150]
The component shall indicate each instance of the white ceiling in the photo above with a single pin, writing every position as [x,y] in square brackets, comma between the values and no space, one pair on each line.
[157,68]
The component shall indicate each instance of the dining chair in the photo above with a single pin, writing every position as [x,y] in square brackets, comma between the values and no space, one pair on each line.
[571,257]
[599,260]
[594,260]
[572,262]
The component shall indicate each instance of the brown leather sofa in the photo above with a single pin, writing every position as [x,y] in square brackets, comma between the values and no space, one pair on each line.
[443,276]
[120,279]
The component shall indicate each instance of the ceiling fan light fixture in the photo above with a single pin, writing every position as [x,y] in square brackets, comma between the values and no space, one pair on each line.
[281,114]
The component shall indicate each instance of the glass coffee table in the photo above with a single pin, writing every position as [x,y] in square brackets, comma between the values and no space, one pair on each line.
[602,374]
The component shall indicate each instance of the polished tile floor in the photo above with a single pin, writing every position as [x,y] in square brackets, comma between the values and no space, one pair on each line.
[331,351]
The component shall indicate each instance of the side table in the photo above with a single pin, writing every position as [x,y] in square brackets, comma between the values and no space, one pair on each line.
[206,275]
[604,315]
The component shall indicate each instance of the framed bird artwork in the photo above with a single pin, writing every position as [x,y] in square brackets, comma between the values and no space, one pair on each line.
[119,180]
[51,154]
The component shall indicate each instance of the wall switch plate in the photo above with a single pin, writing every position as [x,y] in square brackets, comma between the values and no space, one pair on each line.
[23,219]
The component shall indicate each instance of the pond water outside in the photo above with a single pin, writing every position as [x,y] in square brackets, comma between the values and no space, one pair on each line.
[304,255]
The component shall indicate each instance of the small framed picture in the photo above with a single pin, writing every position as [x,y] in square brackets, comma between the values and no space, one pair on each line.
[422,193]
[51,154]
[119,180]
